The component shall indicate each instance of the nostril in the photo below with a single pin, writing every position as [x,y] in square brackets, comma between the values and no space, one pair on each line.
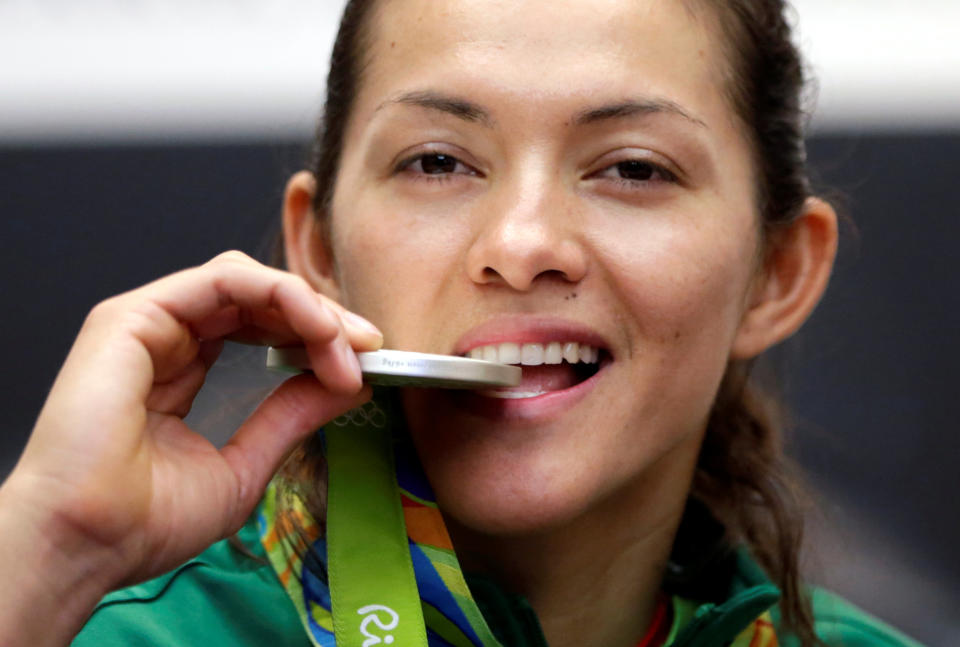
[522,254]
[554,275]
[490,275]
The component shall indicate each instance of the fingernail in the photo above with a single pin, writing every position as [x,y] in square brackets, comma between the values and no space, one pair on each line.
[358,321]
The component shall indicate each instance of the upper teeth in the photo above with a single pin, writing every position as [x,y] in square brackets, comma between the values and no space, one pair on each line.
[537,354]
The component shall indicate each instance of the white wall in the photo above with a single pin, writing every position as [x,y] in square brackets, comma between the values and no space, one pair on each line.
[146,69]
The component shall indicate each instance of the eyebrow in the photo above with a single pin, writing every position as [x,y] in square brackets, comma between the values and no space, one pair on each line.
[469,111]
[634,108]
[455,106]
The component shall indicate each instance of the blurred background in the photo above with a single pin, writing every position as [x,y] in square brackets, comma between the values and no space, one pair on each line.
[139,137]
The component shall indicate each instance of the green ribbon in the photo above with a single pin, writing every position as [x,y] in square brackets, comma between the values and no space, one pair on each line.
[373,591]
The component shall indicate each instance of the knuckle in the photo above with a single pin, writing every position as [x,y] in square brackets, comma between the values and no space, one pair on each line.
[144,322]
[298,402]
[105,311]
[330,304]
[299,283]
[289,286]
[182,410]
[232,256]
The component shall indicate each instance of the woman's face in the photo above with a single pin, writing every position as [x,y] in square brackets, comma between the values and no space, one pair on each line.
[545,172]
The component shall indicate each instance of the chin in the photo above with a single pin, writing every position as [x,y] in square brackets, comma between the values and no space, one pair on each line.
[499,478]
[510,507]
[494,490]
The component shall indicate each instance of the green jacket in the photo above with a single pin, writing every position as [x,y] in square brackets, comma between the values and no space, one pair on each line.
[224,597]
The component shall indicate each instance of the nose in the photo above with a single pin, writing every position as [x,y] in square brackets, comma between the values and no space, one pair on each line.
[528,234]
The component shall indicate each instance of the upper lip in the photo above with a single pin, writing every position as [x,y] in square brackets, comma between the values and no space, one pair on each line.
[525,329]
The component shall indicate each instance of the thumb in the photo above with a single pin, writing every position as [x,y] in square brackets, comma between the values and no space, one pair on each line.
[294,410]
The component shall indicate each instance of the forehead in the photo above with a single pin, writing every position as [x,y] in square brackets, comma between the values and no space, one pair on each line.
[546,54]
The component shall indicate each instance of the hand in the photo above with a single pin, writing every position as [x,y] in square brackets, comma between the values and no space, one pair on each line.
[111,469]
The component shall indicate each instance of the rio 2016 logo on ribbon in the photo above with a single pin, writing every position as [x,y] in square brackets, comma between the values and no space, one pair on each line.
[372,617]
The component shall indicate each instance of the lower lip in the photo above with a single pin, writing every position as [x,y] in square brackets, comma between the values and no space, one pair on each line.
[540,408]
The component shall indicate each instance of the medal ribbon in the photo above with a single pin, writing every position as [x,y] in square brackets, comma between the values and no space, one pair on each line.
[372,585]
[378,503]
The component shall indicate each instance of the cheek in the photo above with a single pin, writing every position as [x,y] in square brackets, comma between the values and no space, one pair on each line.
[392,269]
[684,286]
[360,249]
[682,294]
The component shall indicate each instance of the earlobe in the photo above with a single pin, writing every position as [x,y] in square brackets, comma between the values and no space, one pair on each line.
[794,278]
[304,244]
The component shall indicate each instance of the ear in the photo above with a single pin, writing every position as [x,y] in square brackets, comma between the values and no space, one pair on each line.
[304,239]
[790,284]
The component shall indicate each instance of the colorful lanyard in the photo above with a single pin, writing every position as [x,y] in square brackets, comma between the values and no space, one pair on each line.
[386,550]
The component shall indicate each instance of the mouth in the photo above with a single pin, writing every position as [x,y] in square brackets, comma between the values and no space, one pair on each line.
[562,362]
[547,367]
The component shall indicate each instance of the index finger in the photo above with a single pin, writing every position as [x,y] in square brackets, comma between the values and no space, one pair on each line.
[260,293]
[241,287]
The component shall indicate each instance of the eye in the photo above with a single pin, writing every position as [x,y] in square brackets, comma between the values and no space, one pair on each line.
[637,171]
[435,164]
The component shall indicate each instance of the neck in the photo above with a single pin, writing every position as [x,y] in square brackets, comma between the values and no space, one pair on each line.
[593,580]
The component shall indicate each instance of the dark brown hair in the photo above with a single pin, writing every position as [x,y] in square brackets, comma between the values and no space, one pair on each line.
[347,62]
[743,475]
[743,478]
